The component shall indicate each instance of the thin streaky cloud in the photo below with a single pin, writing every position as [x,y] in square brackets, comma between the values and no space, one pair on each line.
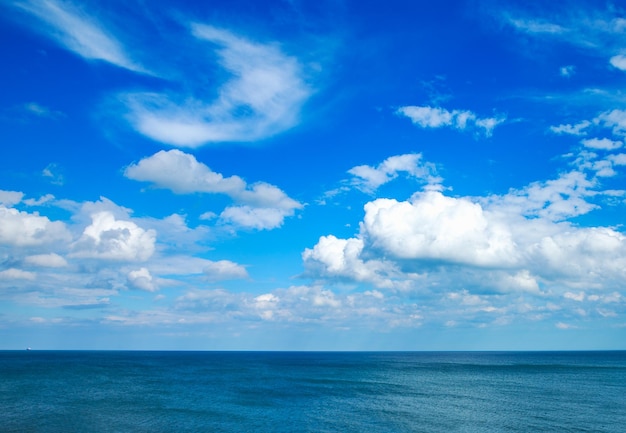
[79,32]
[262,98]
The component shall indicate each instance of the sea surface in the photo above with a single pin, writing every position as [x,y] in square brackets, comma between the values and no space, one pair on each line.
[101,391]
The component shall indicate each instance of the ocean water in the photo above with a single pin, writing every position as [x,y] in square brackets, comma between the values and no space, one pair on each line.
[49,391]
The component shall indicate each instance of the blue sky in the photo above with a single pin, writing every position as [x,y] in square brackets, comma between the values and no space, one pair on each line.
[332,175]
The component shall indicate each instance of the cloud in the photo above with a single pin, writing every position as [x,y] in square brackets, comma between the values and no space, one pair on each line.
[567,71]
[435,117]
[50,260]
[41,111]
[224,270]
[615,119]
[538,26]
[111,239]
[262,206]
[435,227]
[598,31]
[22,229]
[577,129]
[16,274]
[181,173]
[341,258]
[52,173]
[262,98]
[78,31]
[370,178]
[518,242]
[591,28]
[619,62]
[554,200]
[142,279]
[255,217]
[602,143]
[9,198]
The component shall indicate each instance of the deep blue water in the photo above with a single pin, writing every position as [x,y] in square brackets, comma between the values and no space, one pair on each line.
[312,392]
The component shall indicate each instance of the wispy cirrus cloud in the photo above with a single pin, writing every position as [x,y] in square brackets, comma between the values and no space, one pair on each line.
[262,97]
[597,30]
[78,31]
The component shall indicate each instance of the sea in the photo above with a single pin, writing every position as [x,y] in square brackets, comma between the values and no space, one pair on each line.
[136,391]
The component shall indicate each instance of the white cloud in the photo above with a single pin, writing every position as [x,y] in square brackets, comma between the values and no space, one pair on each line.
[224,270]
[263,206]
[16,274]
[579,297]
[538,26]
[435,117]
[111,239]
[370,178]
[615,119]
[183,174]
[567,71]
[142,279]
[341,258]
[619,62]
[22,229]
[9,198]
[554,200]
[564,326]
[258,218]
[40,201]
[602,143]
[52,173]
[266,86]
[40,111]
[518,242]
[619,159]
[78,31]
[51,260]
[590,28]
[433,226]
[577,129]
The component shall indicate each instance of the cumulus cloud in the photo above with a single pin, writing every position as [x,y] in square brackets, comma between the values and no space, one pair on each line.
[224,270]
[51,260]
[21,229]
[10,198]
[342,258]
[295,304]
[602,143]
[518,242]
[615,119]
[435,227]
[436,117]
[16,274]
[142,279]
[78,31]
[181,173]
[369,178]
[619,62]
[576,129]
[263,97]
[112,239]
[261,205]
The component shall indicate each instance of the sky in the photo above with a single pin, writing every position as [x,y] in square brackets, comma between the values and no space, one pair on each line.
[312,175]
